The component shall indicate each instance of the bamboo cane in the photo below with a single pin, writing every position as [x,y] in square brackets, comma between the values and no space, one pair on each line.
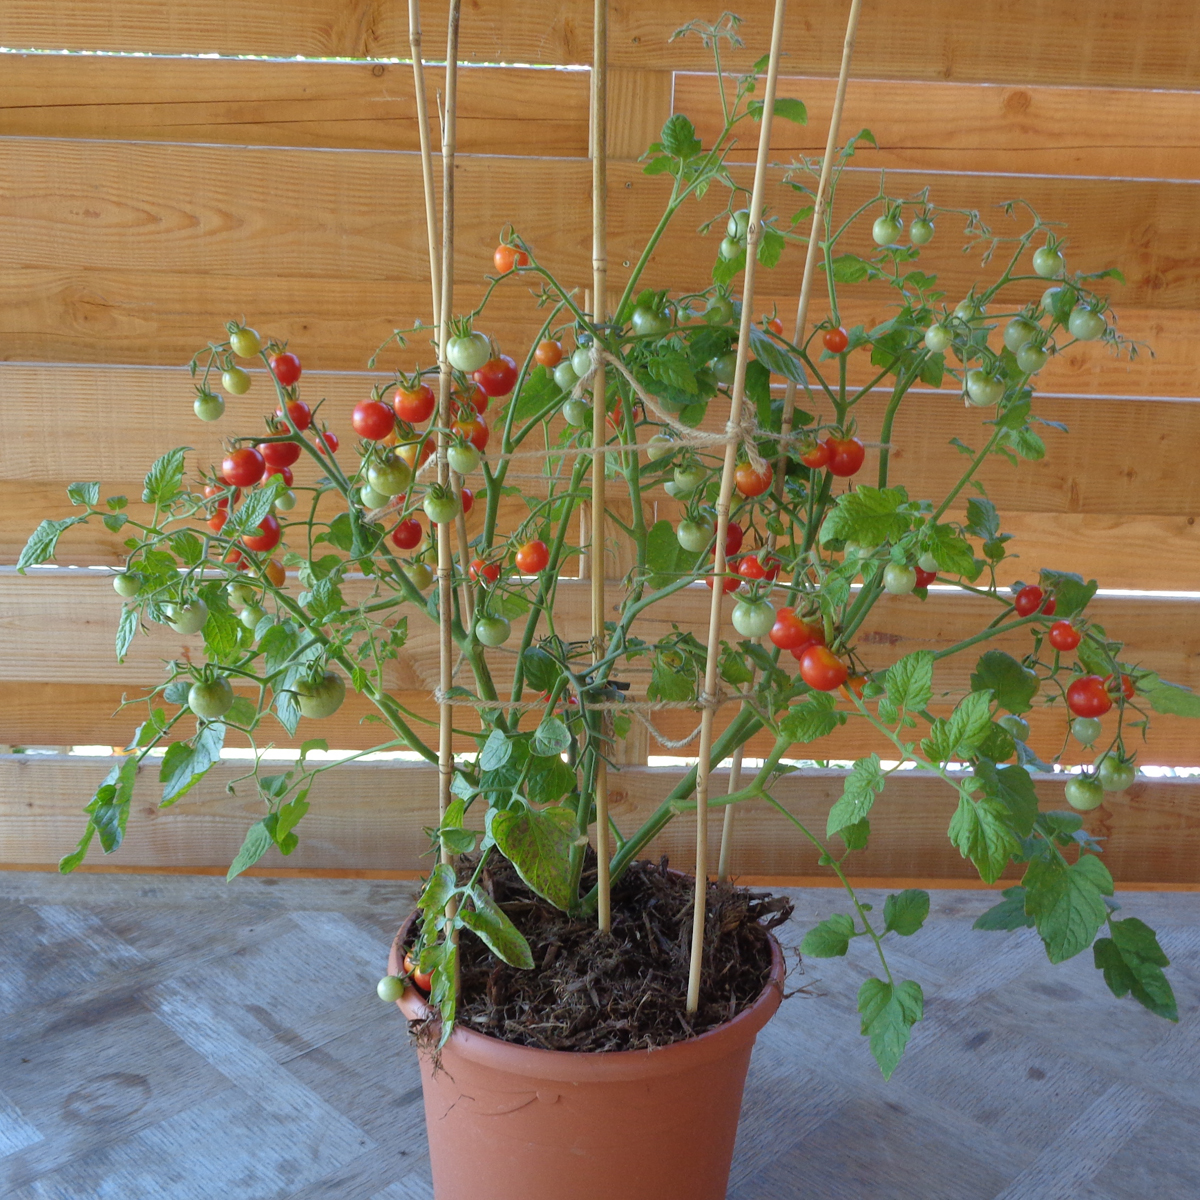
[789,398]
[599,137]
[414,40]
[704,767]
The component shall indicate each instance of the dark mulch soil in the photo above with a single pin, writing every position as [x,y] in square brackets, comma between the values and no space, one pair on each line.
[621,991]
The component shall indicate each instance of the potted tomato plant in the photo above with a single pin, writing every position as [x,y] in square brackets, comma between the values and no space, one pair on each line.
[550,1046]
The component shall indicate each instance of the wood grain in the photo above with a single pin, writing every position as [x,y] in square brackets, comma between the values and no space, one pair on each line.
[1153,44]
[373,815]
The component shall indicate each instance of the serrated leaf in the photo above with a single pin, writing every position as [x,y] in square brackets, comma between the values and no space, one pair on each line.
[551,737]
[909,681]
[499,934]
[770,247]
[250,513]
[979,830]
[538,844]
[109,810]
[869,516]
[774,357]
[1066,902]
[497,750]
[1013,788]
[952,552]
[127,628]
[982,520]
[830,938]
[811,718]
[862,785]
[1012,685]
[849,268]
[905,912]
[1009,914]
[44,541]
[857,835]
[439,888]
[188,546]
[83,493]
[257,842]
[889,1011]
[164,477]
[1132,961]
[679,138]
[185,764]
[663,554]
[1172,700]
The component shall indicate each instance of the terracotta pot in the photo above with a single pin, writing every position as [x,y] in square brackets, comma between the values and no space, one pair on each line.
[509,1121]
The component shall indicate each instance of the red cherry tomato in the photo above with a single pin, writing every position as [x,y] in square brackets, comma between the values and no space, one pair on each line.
[221,490]
[474,396]
[497,376]
[845,456]
[729,583]
[733,538]
[279,454]
[414,405]
[791,632]
[836,340]
[482,572]
[217,521]
[548,354]
[373,420]
[300,413]
[468,500]
[286,367]
[506,259]
[1064,635]
[1088,696]
[533,557]
[1127,689]
[1032,599]
[925,578]
[235,558]
[422,979]
[407,534]
[474,430]
[822,670]
[775,325]
[751,482]
[285,473]
[243,467]
[816,455]
[266,536]
[331,441]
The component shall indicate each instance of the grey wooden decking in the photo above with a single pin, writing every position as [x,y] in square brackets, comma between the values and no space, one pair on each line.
[181,1038]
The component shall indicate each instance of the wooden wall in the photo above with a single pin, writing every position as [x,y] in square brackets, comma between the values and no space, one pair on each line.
[145,200]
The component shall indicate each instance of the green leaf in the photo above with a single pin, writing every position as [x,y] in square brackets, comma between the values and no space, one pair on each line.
[785,107]
[1012,685]
[115,522]
[674,370]
[188,546]
[856,836]
[548,779]
[497,750]
[109,808]
[952,552]
[1012,787]
[905,912]
[1172,700]
[83,493]
[669,683]
[983,521]
[164,477]
[250,513]
[862,785]
[1132,961]
[933,370]
[541,669]
[830,938]
[127,628]
[770,248]
[287,817]
[538,844]
[679,137]
[117,502]
[185,764]
[663,553]
[869,516]
[243,713]
[551,737]
[980,832]
[44,541]
[849,268]
[277,646]
[258,842]
[1009,914]
[889,1011]
[909,681]
[1071,594]
[439,888]
[811,718]
[1067,902]
[774,357]
[498,933]
[959,735]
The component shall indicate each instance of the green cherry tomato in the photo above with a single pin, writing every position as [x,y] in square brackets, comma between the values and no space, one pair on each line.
[1018,727]
[565,376]
[127,583]
[1031,359]
[421,573]
[187,618]
[1115,775]
[899,579]
[492,631]
[693,536]
[1084,793]
[581,361]
[241,594]
[578,411]
[245,342]
[970,309]
[368,497]
[1086,324]
[390,477]
[1019,331]
[920,231]
[688,479]
[753,618]
[648,323]
[469,352]
[927,562]
[323,697]
[1086,730]
[724,367]
[738,224]
[212,699]
[251,615]
[1047,263]
[440,507]
[285,501]
[236,381]
[719,310]
[463,458]
[660,446]
[886,231]
[208,407]
[984,388]
[938,338]
[1051,295]
[729,249]
[390,988]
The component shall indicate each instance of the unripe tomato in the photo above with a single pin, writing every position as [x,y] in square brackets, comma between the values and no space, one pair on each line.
[1031,359]
[581,361]
[390,476]
[241,594]
[251,615]
[497,376]
[286,367]
[938,338]
[845,456]
[791,632]
[688,479]
[275,573]
[1064,636]
[548,353]
[236,381]
[414,405]
[1088,697]
[492,631]
[660,446]
[463,458]
[920,231]
[468,352]
[1086,324]
[441,506]
[1086,730]
[1019,331]
[729,249]
[693,536]
[208,407]
[984,388]
[835,340]
[127,583]
[373,420]
[724,367]
[509,258]
[370,499]
[1017,726]
[564,375]
[533,557]
[299,412]
[752,481]
[266,536]
[753,618]
[649,322]
[390,988]
[277,455]
[1084,793]
[822,670]
[407,535]
[186,618]
[212,699]
[899,579]
[323,697]
[886,232]
[1047,262]
[245,342]
[577,411]
[243,467]
[1115,774]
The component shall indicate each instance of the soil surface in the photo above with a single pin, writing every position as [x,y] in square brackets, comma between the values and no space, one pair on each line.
[591,991]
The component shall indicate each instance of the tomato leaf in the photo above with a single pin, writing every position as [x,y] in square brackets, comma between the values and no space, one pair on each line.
[905,912]
[849,268]
[862,785]
[551,737]
[439,888]
[44,541]
[960,734]
[889,1011]
[679,138]
[83,493]
[1012,685]
[538,844]
[771,247]
[952,552]
[497,750]
[127,628]
[540,668]
[109,808]
[869,516]
[1071,594]
[983,521]
[186,763]
[811,718]
[164,477]
[980,832]
[1012,787]
[663,553]
[830,938]
[250,513]
[785,107]
[499,934]
[774,357]
[1171,699]
[1066,902]
[1008,915]
[548,779]
[1132,961]
[909,681]
[258,841]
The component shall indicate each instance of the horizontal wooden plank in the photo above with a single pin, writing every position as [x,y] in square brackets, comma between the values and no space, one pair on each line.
[362,106]
[373,815]
[939,126]
[1152,44]
[66,714]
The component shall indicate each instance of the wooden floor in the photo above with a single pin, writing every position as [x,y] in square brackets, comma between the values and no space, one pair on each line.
[187,1039]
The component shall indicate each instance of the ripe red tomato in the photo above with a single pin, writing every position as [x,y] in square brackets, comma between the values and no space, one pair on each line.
[285,473]
[751,482]
[331,441]
[925,578]
[533,557]
[506,259]
[222,490]
[279,454]
[407,534]
[791,632]
[775,325]
[266,536]
[373,420]
[235,558]
[474,398]
[474,430]
[1064,635]
[729,583]
[733,538]
[822,670]
[1127,688]
[482,572]
[548,354]
[754,568]
[1032,599]
[217,521]
[497,376]
[243,467]
[816,455]
[415,405]
[845,456]
[1088,696]
[468,500]
[836,340]
[286,367]
[300,413]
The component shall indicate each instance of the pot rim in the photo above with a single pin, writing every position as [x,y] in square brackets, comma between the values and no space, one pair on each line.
[577,1066]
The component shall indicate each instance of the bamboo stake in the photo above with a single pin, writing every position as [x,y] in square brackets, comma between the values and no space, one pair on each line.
[704,767]
[414,40]
[599,137]
[789,399]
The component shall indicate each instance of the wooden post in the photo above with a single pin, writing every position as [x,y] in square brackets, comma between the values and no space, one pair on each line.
[704,767]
